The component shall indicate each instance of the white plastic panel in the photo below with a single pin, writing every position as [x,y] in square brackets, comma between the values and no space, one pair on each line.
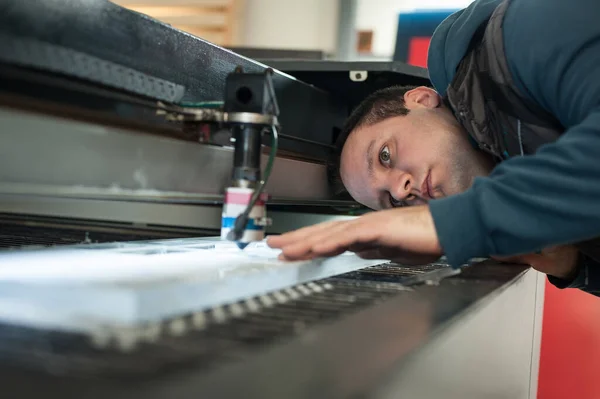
[84,287]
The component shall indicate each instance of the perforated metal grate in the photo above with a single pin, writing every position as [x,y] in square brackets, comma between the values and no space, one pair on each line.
[204,339]
[14,236]
[392,272]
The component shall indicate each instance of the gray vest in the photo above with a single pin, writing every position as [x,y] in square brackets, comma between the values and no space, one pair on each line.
[487,103]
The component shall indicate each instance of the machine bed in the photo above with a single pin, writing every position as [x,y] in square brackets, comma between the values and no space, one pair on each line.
[356,333]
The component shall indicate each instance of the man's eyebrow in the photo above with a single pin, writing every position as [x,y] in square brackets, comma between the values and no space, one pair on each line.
[369,157]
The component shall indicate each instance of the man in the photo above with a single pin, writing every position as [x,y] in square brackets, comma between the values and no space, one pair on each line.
[503,160]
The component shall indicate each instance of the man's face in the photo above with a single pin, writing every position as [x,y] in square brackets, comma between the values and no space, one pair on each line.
[409,160]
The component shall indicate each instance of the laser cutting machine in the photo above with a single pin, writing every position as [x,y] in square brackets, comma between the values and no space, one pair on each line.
[136,160]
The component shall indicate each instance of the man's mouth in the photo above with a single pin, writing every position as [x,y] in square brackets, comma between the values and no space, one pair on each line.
[426,188]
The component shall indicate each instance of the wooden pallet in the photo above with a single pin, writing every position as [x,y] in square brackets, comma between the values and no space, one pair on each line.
[213,20]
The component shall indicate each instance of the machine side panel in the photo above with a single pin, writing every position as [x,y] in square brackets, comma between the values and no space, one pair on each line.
[79,157]
[493,352]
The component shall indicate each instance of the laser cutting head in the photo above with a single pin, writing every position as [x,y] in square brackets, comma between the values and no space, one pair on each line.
[251,109]
[235,203]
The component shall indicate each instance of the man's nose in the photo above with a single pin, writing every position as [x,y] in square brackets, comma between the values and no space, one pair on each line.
[401,186]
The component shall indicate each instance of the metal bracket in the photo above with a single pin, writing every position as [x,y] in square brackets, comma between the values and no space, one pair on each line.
[216,116]
[264,221]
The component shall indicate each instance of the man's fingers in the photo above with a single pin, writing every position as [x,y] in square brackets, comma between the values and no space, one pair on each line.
[307,256]
[298,235]
[304,245]
[360,247]
[349,235]
[370,254]
[382,230]
[332,240]
[292,237]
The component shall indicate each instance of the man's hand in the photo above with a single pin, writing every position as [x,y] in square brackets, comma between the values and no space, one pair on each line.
[405,235]
[559,261]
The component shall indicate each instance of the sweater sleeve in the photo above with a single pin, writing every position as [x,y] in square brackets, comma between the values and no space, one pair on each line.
[587,278]
[553,196]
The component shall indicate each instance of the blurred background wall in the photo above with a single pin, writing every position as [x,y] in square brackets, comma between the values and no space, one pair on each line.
[337,29]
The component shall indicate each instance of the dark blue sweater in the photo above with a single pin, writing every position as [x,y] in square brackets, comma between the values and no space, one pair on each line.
[552,197]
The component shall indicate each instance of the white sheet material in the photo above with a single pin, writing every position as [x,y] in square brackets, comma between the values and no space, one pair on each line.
[123,263]
[87,286]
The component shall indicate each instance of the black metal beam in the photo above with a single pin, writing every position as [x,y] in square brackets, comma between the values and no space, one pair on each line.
[100,42]
[355,80]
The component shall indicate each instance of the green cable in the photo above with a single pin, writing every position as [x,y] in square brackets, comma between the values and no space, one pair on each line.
[201,104]
[272,154]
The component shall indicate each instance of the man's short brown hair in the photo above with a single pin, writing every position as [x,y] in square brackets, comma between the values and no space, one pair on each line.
[382,104]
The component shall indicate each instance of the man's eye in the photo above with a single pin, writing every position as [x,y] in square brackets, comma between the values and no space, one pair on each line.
[385,156]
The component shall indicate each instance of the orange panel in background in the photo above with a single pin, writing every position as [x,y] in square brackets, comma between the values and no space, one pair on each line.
[570,352]
[417,51]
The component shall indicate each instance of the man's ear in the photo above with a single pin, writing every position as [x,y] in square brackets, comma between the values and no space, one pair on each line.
[422,97]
